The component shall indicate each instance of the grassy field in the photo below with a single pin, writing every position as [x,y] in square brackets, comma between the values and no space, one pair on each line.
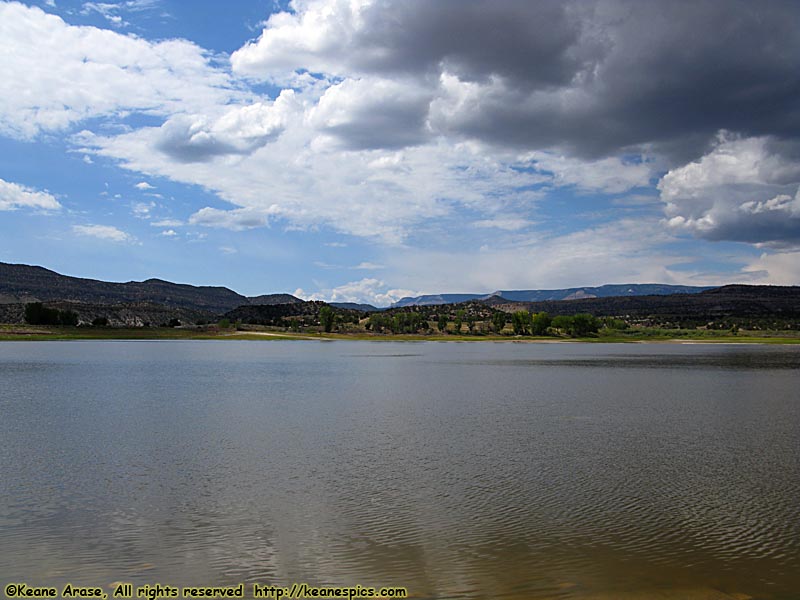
[47,333]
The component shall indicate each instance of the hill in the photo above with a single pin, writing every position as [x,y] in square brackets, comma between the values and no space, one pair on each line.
[760,305]
[25,283]
[124,314]
[270,299]
[158,302]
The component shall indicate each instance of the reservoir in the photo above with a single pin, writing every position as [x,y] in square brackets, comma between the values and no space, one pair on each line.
[455,470]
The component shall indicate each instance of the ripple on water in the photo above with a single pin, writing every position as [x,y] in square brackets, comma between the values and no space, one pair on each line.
[460,472]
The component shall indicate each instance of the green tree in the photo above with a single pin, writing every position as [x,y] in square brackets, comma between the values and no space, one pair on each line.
[441,323]
[583,324]
[521,321]
[579,325]
[459,320]
[498,321]
[540,322]
[326,318]
[562,323]
[377,322]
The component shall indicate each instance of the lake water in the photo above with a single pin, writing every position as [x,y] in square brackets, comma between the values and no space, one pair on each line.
[457,470]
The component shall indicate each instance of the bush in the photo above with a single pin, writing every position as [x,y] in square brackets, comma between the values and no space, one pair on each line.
[612,323]
[38,314]
[68,317]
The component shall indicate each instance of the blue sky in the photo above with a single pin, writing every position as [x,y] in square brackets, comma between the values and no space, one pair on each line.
[364,151]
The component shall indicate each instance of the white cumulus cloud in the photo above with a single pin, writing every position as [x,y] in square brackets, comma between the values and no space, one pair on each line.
[70,73]
[367,290]
[103,232]
[740,191]
[14,196]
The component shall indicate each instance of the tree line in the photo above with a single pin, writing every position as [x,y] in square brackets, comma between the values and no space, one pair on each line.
[522,323]
[404,322]
[541,323]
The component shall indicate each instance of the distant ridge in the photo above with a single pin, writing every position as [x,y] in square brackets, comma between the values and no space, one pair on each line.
[434,299]
[355,306]
[578,293]
[741,301]
[26,283]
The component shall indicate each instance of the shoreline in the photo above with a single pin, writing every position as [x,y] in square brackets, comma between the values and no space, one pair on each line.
[24,333]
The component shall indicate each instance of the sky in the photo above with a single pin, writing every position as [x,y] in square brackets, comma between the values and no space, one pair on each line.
[366,150]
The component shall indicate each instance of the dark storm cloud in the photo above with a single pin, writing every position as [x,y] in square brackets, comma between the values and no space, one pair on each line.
[670,74]
[773,230]
[534,44]
[589,78]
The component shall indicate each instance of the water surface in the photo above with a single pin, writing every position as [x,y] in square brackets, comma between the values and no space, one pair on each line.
[457,470]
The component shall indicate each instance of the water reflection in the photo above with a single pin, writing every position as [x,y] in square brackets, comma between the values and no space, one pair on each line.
[458,471]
